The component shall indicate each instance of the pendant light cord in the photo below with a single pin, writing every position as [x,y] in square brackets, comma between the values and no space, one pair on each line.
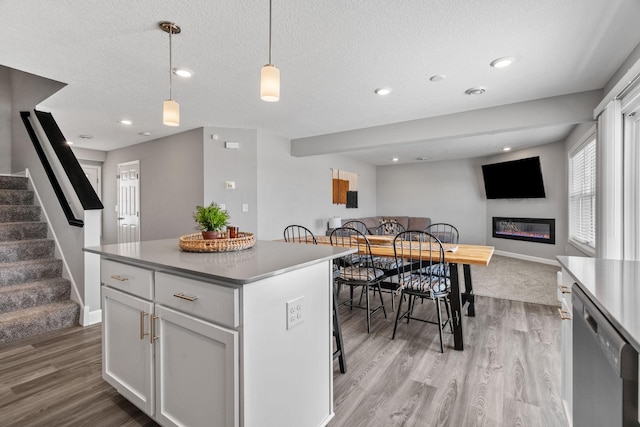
[269,31]
[170,63]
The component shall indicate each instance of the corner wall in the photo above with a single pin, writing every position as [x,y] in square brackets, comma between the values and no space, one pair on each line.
[171,185]
[5,121]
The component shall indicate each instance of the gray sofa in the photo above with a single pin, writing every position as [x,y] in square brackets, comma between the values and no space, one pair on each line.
[408,222]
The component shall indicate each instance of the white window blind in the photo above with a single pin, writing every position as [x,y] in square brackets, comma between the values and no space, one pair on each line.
[582,194]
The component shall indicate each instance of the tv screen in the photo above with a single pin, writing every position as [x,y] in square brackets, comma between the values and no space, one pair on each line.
[517,179]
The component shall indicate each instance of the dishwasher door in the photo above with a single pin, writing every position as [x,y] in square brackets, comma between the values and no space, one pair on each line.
[605,370]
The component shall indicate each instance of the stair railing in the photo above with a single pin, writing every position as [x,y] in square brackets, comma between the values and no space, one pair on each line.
[79,181]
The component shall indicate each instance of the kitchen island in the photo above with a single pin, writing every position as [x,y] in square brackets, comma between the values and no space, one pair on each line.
[220,339]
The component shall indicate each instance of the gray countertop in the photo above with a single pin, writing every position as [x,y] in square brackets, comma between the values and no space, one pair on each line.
[614,287]
[264,259]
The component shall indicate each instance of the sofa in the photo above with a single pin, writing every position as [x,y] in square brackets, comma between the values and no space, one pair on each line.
[418,223]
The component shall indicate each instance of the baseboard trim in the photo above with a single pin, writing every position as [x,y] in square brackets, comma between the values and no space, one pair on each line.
[88,318]
[528,258]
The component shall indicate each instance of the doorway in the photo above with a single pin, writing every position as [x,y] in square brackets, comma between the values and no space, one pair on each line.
[128,202]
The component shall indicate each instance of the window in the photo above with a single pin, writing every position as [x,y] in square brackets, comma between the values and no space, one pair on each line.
[582,194]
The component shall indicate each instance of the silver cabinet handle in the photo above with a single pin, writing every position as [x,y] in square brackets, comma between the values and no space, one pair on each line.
[183,296]
[119,278]
[142,332]
[152,333]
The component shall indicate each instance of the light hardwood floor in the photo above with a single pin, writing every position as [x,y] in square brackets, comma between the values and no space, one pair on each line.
[508,374]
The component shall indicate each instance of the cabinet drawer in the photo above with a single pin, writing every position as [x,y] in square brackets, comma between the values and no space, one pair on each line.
[208,301]
[134,280]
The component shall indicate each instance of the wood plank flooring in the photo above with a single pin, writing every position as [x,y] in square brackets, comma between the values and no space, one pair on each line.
[508,375]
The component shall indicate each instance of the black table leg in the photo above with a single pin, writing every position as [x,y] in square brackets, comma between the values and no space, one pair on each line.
[456,307]
[468,295]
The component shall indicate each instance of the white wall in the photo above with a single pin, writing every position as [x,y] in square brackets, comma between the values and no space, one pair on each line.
[297,190]
[553,162]
[171,185]
[237,165]
[446,191]
[5,121]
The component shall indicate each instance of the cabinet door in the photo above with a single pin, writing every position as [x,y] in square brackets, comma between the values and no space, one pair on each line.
[196,371]
[127,362]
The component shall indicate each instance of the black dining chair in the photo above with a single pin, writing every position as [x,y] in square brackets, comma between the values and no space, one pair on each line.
[387,228]
[448,236]
[419,251]
[358,225]
[357,270]
[301,234]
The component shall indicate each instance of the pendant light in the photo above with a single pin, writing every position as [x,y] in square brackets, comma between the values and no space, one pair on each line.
[270,75]
[170,108]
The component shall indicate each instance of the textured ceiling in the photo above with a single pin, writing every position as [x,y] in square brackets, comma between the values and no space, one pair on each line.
[332,55]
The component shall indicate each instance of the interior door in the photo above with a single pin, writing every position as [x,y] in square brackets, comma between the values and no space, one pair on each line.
[128,207]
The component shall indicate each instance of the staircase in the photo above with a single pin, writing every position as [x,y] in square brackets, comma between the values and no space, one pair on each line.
[34,297]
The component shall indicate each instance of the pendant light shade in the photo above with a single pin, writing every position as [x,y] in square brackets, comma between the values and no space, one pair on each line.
[270,83]
[170,113]
[270,75]
[170,108]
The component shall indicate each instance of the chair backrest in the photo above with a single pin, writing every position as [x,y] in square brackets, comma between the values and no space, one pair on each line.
[388,228]
[446,233]
[419,258]
[299,234]
[357,265]
[358,225]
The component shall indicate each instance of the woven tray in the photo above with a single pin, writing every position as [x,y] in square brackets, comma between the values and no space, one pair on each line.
[195,243]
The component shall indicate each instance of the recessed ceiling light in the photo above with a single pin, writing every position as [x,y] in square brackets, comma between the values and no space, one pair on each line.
[383,91]
[395,159]
[145,133]
[506,149]
[85,136]
[182,72]
[437,78]
[503,62]
[422,158]
[475,91]
[125,121]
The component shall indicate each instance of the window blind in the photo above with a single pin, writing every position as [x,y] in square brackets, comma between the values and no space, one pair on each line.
[582,194]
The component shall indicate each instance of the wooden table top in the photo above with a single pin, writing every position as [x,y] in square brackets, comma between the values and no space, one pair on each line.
[464,254]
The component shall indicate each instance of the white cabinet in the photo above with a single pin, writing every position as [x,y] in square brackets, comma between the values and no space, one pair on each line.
[177,368]
[127,356]
[566,343]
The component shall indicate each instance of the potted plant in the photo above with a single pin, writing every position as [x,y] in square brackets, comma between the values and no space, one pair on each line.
[211,220]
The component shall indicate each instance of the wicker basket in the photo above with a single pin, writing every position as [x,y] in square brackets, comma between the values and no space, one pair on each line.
[195,243]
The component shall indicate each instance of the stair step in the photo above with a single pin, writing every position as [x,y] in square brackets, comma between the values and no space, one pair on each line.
[10,231]
[22,250]
[14,182]
[27,295]
[19,213]
[21,324]
[15,273]
[16,197]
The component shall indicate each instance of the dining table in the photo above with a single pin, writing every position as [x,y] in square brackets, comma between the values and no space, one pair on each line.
[455,255]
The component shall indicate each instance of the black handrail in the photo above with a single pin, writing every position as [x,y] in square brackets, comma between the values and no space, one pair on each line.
[50,174]
[78,179]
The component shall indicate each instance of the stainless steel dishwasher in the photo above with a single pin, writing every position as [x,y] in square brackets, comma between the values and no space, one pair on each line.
[605,370]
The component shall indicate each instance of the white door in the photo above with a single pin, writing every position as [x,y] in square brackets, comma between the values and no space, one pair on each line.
[128,207]
[196,371]
[126,347]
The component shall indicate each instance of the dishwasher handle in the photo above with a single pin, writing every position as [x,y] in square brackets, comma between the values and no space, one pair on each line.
[620,354]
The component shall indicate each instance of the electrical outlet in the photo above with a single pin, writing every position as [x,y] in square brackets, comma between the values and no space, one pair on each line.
[230,185]
[295,312]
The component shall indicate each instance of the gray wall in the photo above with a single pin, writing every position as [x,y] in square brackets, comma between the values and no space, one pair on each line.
[553,161]
[5,121]
[297,190]
[171,185]
[238,165]
[446,191]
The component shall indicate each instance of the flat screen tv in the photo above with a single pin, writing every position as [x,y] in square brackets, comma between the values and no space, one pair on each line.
[516,179]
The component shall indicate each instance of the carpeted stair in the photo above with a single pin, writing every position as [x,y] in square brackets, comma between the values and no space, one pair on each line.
[34,297]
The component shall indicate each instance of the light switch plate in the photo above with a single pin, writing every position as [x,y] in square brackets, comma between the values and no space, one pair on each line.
[245,207]
[230,185]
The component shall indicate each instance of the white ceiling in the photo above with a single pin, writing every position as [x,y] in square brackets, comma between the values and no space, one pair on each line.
[332,55]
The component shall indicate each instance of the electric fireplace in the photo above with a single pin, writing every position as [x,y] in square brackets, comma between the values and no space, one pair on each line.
[541,230]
